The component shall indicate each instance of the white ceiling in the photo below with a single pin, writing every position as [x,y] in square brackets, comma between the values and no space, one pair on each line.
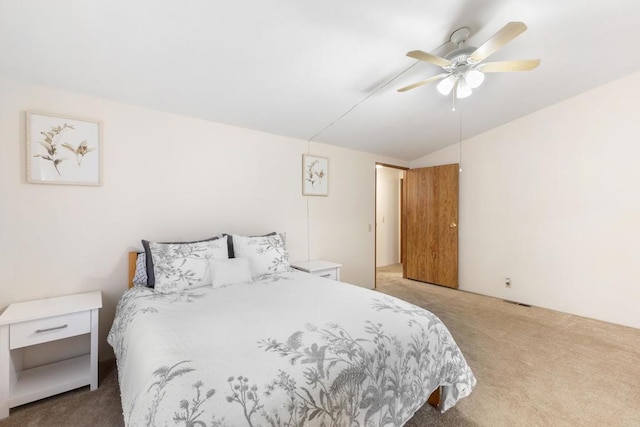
[292,67]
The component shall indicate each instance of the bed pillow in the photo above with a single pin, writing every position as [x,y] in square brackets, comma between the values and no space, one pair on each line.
[230,271]
[151,279]
[266,254]
[180,266]
[140,276]
[230,242]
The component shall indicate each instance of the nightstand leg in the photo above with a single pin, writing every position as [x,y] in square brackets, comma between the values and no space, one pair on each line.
[94,350]
[5,374]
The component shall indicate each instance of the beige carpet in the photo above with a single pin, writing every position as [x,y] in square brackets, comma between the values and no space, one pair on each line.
[535,367]
[79,407]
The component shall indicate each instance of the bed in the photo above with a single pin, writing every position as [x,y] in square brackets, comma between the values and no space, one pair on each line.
[283,349]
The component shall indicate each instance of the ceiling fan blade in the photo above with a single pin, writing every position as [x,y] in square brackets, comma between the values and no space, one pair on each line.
[499,39]
[424,82]
[505,66]
[427,57]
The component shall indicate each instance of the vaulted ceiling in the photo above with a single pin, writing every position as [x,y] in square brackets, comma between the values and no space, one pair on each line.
[296,67]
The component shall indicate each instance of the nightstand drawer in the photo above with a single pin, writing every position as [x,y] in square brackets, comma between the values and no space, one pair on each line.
[327,274]
[49,329]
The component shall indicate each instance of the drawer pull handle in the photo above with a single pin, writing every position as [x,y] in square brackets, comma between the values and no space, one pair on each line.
[55,328]
[325,275]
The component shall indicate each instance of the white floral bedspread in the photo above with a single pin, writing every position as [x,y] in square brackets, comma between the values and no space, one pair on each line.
[291,349]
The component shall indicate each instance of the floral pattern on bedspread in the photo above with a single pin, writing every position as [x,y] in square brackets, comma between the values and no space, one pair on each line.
[373,369]
[133,305]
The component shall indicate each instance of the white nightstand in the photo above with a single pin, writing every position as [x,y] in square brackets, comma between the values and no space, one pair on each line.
[321,268]
[34,322]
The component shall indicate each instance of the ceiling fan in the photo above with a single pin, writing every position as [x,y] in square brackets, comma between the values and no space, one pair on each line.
[464,67]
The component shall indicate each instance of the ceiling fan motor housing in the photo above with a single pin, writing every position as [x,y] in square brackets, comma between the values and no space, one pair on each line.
[458,57]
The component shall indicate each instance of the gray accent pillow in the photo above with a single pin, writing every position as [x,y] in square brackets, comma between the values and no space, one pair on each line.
[140,276]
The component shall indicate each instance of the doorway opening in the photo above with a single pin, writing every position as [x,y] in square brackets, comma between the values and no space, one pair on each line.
[389,225]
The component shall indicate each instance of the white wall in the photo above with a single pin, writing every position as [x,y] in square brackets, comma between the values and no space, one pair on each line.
[167,177]
[552,201]
[388,216]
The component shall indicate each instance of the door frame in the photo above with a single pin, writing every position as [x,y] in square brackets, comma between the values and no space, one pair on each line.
[375,223]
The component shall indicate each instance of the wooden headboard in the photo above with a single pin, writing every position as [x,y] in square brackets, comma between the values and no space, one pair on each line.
[133,256]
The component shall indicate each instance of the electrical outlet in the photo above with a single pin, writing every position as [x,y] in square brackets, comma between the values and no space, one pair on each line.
[507,282]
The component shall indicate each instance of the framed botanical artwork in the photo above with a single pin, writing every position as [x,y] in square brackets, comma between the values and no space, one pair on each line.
[63,150]
[315,175]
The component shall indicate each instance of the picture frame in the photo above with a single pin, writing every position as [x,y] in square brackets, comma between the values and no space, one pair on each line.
[315,175]
[63,149]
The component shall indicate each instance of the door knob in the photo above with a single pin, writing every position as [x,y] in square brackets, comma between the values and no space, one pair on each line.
[453,225]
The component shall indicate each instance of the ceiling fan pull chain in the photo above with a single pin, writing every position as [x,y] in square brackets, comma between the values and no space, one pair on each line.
[460,140]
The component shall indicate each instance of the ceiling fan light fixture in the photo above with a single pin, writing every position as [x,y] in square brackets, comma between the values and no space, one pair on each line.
[463,90]
[474,78]
[446,85]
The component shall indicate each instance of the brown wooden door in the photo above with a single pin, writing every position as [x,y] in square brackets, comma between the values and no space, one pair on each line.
[431,210]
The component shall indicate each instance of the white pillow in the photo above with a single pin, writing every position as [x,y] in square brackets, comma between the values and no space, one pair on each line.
[266,254]
[230,271]
[179,266]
